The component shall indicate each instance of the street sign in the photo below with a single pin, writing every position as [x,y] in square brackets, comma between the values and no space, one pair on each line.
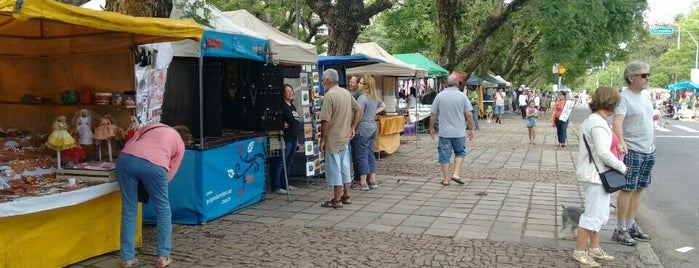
[661,30]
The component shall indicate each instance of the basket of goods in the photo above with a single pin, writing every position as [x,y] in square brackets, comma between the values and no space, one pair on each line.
[45,162]
[17,166]
[103,98]
[30,164]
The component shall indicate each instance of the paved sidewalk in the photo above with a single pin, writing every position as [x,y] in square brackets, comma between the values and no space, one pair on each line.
[506,215]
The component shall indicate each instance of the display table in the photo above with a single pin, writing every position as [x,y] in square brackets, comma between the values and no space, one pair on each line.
[388,133]
[216,181]
[62,234]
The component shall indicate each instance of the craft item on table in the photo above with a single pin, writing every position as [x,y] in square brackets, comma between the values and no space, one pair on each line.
[105,132]
[60,139]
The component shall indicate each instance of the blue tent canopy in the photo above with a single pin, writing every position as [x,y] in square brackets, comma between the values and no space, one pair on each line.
[473,80]
[226,45]
[683,85]
[348,61]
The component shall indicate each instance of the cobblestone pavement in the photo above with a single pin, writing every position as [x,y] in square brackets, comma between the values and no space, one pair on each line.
[506,215]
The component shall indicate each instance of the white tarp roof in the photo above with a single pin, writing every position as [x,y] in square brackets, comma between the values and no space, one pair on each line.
[391,66]
[189,48]
[285,49]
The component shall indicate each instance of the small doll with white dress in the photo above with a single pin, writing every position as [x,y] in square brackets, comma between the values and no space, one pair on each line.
[60,139]
[83,126]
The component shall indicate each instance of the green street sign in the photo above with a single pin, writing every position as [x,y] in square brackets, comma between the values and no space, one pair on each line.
[661,30]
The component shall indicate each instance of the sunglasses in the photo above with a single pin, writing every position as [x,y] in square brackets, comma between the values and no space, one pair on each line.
[644,76]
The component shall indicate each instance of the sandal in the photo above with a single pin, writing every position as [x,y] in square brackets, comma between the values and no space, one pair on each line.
[163,262]
[346,200]
[445,183]
[332,203]
[457,180]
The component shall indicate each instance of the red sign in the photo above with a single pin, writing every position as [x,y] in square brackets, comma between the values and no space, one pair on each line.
[214,43]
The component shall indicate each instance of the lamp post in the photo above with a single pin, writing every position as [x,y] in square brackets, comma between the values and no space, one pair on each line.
[696,54]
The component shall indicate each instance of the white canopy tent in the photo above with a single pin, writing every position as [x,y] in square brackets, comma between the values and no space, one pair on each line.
[391,66]
[284,48]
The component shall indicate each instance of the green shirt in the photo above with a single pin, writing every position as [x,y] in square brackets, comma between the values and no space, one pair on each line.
[473,97]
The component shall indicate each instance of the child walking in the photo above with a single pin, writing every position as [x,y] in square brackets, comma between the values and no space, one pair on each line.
[532,114]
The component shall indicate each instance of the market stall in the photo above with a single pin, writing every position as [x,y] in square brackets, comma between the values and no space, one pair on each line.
[386,74]
[49,48]
[223,91]
[299,61]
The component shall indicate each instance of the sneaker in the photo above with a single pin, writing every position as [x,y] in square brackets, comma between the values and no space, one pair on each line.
[291,187]
[360,187]
[373,186]
[599,255]
[623,237]
[637,234]
[585,259]
[280,191]
[126,264]
[163,262]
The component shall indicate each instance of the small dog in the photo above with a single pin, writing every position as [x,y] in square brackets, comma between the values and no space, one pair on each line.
[489,113]
[571,216]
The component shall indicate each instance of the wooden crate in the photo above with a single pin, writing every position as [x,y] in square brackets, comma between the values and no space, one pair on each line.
[87,175]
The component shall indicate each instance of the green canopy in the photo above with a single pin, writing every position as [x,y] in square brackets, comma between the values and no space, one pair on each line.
[433,69]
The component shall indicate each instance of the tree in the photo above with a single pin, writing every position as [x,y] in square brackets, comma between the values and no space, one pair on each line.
[138,8]
[345,19]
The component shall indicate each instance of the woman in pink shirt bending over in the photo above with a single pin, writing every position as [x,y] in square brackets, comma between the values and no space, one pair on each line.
[150,160]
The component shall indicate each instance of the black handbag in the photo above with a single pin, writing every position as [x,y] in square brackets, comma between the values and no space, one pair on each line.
[612,179]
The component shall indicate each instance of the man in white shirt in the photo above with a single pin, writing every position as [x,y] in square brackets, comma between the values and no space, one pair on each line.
[523,102]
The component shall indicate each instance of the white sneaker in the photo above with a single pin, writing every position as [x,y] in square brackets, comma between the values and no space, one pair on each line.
[280,191]
[291,187]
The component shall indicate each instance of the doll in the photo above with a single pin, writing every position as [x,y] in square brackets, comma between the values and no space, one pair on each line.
[83,126]
[133,127]
[60,139]
[106,131]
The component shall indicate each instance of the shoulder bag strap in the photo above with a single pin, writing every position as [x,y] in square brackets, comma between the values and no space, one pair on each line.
[589,153]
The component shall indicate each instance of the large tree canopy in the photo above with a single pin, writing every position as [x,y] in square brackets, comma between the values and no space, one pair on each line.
[520,39]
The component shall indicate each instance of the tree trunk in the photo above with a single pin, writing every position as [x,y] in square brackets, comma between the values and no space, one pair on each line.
[345,19]
[447,16]
[140,8]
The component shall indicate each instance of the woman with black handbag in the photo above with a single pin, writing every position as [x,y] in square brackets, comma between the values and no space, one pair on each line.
[598,155]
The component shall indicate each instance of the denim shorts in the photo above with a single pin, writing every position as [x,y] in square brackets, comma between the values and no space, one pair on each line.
[638,168]
[447,145]
[499,109]
[337,167]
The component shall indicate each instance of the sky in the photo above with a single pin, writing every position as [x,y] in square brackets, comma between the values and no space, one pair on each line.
[663,11]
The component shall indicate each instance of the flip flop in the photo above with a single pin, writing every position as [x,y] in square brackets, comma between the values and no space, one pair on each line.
[457,180]
[445,183]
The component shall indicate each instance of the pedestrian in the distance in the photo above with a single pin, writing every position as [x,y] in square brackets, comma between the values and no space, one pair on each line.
[150,158]
[532,114]
[600,148]
[560,125]
[499,105]
[453,109]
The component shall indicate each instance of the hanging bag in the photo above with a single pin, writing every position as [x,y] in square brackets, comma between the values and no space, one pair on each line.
[612,179]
